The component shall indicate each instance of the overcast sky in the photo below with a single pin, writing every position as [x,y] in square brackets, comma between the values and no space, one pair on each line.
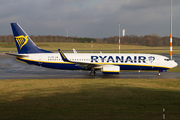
[90,18]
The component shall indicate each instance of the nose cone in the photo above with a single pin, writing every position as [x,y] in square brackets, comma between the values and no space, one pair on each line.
[174,64]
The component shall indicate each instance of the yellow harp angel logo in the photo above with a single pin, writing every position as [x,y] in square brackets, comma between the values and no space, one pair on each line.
[21,40]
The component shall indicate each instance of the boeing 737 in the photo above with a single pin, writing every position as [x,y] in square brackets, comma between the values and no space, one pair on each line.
[107,63]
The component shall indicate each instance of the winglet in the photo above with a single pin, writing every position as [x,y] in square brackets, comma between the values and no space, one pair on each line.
[74,50]
[63,56]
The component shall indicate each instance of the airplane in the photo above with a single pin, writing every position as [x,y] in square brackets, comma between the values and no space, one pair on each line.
[107,63]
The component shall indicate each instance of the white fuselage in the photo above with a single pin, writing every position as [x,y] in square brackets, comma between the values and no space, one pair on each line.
[125,61]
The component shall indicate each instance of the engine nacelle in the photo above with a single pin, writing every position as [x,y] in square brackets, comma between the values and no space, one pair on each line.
[110,69]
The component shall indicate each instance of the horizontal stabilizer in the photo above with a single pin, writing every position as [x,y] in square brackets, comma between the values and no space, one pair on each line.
[17,55]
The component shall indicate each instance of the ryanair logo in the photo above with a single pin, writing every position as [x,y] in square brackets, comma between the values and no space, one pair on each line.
[21,40]
[151,58]
[122,59]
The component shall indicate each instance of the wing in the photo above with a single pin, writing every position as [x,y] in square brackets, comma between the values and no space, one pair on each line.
[88,65]
[81,64]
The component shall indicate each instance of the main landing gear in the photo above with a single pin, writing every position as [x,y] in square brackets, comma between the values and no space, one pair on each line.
[159,73]
[92,73]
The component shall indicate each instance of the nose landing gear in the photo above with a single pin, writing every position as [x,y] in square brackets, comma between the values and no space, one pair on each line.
[159,73]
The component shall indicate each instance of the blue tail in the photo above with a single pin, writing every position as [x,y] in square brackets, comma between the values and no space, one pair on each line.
[24,43]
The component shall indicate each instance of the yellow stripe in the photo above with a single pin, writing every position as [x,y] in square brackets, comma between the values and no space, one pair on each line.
[96,63]
[110,71]
[20,61]
[45,61]
[130,64]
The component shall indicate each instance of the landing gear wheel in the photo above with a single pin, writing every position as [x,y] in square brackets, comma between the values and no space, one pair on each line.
[159,74]
[92,72]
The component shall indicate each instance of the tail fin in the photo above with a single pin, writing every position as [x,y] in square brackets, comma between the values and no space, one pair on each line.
[24,43]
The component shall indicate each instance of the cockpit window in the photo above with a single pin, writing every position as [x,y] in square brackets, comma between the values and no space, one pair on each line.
[166,59]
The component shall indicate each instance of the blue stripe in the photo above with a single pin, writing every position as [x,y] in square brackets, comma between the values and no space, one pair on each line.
[54,65]
[110,72]
[132,67]
[71,66]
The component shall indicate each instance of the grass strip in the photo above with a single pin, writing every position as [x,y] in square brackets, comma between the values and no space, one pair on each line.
[137,99]
[54,46]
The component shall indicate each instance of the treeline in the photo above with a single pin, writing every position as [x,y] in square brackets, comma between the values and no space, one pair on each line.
[50,38]
[147,40]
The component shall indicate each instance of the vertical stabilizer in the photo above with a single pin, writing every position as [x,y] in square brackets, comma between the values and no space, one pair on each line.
[24,43]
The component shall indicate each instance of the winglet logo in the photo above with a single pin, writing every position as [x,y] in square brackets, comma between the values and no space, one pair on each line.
[63,55]
[151,58]
[21,40]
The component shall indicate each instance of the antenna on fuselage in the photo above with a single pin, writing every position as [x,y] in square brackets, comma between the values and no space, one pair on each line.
[171,33]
